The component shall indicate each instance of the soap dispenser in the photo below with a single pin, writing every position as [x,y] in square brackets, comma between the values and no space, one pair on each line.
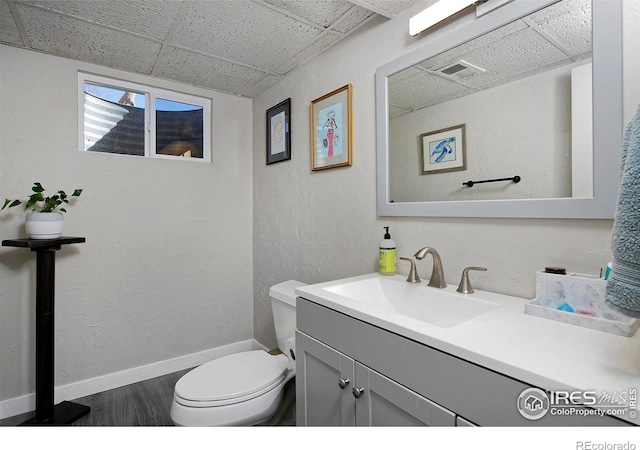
[387,255]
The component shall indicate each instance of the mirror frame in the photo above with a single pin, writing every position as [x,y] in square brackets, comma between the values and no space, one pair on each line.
[607,122]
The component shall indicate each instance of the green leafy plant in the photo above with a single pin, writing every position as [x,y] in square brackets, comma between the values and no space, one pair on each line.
[38,202]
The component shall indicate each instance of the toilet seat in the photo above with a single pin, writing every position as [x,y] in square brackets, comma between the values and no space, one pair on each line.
[231,379]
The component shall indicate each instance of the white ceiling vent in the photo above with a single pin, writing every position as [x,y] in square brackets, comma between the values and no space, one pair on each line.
[460,69]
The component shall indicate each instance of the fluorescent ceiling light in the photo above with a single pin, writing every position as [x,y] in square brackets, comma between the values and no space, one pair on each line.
[487,7]
[436,13]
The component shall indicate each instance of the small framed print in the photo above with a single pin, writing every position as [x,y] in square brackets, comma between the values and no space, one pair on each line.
[444,150]
[279,132]
[331,130]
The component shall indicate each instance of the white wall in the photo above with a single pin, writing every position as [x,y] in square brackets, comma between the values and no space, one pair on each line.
[320,226]
[496,142]
[167,267]
[631,50]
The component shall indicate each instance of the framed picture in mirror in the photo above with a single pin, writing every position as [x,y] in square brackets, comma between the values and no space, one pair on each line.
[279,132]
[331,130]
[444,150]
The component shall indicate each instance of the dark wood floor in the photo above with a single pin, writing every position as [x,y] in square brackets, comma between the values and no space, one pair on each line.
[147,403]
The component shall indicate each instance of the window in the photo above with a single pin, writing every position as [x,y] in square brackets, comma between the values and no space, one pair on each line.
[132,119]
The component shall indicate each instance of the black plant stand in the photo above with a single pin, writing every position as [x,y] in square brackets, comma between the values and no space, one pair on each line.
[47,413]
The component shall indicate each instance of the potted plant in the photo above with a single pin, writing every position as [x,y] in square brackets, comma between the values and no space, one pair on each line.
[45,220]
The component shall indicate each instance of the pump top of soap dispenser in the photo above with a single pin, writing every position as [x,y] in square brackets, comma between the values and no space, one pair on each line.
[387,243]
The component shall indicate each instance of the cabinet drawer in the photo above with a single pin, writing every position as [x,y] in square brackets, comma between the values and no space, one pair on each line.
[482,396]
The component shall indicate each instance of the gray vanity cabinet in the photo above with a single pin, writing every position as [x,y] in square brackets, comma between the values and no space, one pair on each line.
[324,378]
[384,402]
[334,390]
[399,381]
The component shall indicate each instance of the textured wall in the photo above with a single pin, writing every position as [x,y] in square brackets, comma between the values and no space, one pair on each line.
[320,226]
[497,140]
[631,48]
[166,270]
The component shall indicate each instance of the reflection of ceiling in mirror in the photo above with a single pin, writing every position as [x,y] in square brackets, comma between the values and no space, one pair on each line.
[552,37]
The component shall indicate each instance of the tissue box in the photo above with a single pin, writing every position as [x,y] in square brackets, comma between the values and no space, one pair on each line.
[582,292]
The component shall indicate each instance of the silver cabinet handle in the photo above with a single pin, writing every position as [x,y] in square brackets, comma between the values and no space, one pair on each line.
[357,392]
[343,382]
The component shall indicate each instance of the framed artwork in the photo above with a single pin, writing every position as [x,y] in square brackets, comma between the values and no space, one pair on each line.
[279,132]
[331,130]
[444,150]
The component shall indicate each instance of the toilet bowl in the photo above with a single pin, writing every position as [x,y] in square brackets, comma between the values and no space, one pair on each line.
[244,388]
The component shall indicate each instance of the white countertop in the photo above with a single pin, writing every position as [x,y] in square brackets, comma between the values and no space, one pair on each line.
[542,352]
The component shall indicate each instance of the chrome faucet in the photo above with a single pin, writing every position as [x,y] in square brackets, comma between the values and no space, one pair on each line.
[437,274]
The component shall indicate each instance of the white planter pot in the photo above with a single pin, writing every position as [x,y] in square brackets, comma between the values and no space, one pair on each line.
[41,225]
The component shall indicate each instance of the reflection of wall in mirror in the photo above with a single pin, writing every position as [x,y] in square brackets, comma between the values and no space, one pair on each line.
[521,128]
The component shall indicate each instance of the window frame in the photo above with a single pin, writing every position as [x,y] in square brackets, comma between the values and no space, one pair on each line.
[151,93]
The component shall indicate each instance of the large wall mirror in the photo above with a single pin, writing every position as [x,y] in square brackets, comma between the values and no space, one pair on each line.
[530,94]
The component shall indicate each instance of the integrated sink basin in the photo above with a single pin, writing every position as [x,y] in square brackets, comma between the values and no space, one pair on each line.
[431,305]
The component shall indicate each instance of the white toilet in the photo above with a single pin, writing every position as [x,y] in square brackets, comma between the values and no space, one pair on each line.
[243,388]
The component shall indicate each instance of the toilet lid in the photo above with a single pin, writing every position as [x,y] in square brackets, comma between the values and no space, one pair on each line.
[232,377]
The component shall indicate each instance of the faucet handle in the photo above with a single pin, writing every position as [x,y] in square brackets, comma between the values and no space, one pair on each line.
[465,285]
[413,273]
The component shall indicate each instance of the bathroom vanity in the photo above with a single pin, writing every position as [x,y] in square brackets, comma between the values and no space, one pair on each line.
[369,353]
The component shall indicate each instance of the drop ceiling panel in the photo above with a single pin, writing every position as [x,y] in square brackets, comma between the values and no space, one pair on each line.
[516,53]
[354,17]
[262,85]
[71,38]
[569,29]
[549,38]
[202,70]
[419,89]
[9,33]
[391,7]
[148,18]
[460,51]
[559,9]
[321,13]
[317,47]
[397,111]
[246,32]
[530,73]
[255,42]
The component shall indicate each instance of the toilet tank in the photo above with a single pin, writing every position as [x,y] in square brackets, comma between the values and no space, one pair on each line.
[283,305]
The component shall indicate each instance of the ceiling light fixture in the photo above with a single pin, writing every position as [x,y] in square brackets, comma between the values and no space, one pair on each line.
[436,13]
[447,8]
[488,6]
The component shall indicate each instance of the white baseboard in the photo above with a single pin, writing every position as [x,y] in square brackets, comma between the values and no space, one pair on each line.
[25,403]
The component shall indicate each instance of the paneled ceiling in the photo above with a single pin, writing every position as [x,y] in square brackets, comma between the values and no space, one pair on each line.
[551,37]
[241,47]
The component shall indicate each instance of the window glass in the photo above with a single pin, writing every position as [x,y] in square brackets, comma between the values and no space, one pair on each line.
[114,120]
[179,128]
[122,117]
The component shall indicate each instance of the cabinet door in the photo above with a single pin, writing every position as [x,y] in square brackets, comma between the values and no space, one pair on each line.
[383,402]
[324,379]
